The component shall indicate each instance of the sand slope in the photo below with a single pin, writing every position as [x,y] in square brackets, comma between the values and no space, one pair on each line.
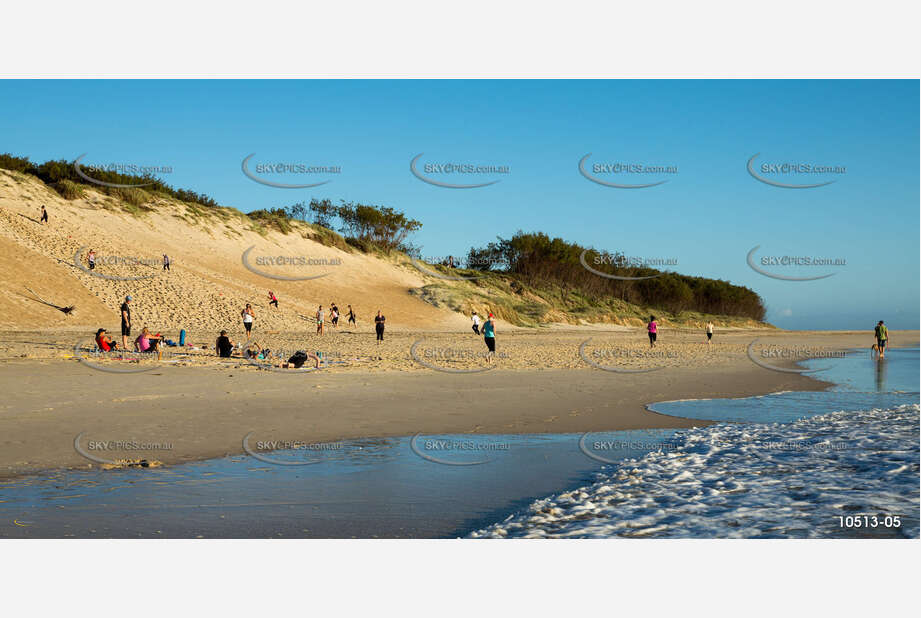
[208,284]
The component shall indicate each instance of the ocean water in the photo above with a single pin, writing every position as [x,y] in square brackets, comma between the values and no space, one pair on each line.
[841,463]
[777,470]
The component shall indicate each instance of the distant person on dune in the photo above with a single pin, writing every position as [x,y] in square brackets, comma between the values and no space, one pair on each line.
[44,218]
[882,338]
[489,336]
[320,315]
[166,262]
[91,259]
[126,321]
[379,321]
[351,315]
[248,317]
[653,329]
[709,332]
[273,300]
[476,323]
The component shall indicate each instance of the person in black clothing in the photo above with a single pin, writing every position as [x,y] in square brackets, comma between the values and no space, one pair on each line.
[379,326]
[351,315]
[299,358]
[223,345]
[126,322]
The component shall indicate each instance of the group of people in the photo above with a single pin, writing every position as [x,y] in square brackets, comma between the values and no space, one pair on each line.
[488,332]
[91,260]
[320,316]
[224,347]
[145,342]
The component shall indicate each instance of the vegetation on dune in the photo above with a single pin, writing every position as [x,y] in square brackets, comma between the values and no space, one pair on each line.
[367,228]
[54,173]
[556,266]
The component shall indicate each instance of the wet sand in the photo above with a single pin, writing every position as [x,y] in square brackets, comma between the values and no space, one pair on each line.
[203,410]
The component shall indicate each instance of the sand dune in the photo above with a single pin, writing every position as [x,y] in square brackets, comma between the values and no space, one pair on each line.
[207,286]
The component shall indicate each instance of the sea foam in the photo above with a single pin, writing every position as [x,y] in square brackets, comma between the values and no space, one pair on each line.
[751,480]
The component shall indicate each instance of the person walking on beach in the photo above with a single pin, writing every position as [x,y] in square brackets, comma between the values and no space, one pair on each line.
[44,218]
[91,259]
[351,315]
[166,262]
[882,339]
[476,323]
[334,315]
[653,329]
[248,317]
[489,336]
[273,300]
[126,322]
[320,315]
[379,320]
[709,332]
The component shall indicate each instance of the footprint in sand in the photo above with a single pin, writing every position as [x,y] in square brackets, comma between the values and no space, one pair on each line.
[551,419]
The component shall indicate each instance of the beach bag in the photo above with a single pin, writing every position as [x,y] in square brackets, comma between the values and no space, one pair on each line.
[182,337]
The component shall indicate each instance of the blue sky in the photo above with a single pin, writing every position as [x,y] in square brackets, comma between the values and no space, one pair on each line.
[707,216]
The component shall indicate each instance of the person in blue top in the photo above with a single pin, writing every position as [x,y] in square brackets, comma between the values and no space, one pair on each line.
[489,336]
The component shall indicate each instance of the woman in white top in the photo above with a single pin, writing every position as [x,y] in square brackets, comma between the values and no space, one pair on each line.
[248,317]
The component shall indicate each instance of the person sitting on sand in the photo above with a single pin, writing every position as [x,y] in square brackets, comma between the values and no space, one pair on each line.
[653,329]
[147,344]
[105,343]
[273,300]
[882,338]
[223,346]
[299,358]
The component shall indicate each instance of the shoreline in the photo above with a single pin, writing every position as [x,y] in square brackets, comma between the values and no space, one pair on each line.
[204,413]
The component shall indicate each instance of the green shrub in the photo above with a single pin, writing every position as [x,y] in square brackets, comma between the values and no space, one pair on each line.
[68,190]
[553,267]
[133,196]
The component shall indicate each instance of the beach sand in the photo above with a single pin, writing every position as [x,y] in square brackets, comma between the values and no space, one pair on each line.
[202,406]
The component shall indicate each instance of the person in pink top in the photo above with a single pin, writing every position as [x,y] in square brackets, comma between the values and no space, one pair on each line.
[653,329]
[146,343]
